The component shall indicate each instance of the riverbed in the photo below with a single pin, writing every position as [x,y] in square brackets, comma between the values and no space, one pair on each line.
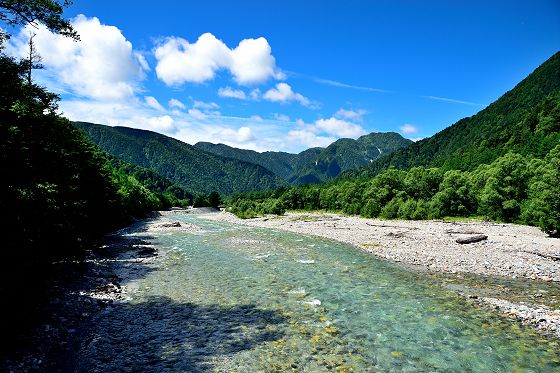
[225,297]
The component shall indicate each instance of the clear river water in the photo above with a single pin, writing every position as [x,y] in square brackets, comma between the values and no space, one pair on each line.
[231,298]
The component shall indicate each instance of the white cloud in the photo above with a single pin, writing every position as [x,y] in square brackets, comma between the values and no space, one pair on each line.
[339,128]
[240,135]
[102,65]
[322,132]
[281,117]
[153,103]
[197,114]
[283,93]
[232,93]
[179,61]
[256,118]
[205,105]
[255,94]
[350,114]
[309,138]
[252,62]
[162,123]
[408,129]
[174,103]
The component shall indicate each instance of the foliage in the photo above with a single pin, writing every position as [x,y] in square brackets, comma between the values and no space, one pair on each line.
[186,166]
[33,12]
[212,199]
[524,120]
[316,164]
[510,189]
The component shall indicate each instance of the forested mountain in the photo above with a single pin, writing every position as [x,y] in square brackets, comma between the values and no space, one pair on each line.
[513,122]
[315,165]
[196,170]
[280,163]
[502,164]
[348,154]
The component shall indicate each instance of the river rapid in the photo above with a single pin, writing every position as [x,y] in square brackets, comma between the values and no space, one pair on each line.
[227,298]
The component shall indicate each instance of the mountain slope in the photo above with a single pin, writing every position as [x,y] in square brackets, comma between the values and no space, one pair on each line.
[482,138]
[192,168]
[278,162]
[348,154]
[316,164]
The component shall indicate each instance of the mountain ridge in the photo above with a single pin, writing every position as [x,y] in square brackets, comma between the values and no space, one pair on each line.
[479,138]
[316,165]
[192,168]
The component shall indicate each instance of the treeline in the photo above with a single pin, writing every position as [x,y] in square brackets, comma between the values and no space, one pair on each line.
[521,120]
[513,188]
[513,177]
[141,190]
[59,191]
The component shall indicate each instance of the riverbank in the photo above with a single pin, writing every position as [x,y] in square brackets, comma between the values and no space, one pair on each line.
[80,294]
[510,251]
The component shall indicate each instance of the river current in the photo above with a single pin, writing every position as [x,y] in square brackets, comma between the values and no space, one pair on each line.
[231,298]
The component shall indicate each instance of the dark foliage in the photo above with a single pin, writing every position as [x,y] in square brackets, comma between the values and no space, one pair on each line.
[183,164]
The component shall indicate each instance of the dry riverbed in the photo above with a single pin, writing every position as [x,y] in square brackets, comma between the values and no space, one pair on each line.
[511,251]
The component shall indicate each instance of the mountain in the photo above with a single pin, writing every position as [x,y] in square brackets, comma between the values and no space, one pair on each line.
[502,164]
[501,127]
[348,154]
[315,165]
[191,168]
[279,163]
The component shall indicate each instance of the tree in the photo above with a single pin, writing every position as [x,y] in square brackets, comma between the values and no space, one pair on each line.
[542,208]
[33,60]
[214,199]
[35,12]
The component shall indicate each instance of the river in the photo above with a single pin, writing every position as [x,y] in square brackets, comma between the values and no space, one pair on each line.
[231,298]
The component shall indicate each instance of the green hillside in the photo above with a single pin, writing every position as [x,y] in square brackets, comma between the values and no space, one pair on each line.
[348,154]
[316,165]
[502,164]
[191,168]
[280,163]
[490,133]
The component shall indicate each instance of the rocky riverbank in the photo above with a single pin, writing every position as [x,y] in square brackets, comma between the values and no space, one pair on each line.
[80,293]
[504,250]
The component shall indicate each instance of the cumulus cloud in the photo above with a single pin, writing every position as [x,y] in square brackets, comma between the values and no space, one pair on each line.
[179,61]
[229,92]
[240,135]
[322,132]
[408,129]
[350,114]
[339,128]
[162,123]
[309,138]
[176,104]
[283,93]
[102,65]
[153,103]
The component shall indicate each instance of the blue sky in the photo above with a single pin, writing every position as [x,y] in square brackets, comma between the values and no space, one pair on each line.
[293,74]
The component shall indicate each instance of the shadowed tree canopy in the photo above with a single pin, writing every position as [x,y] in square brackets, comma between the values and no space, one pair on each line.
[35,12]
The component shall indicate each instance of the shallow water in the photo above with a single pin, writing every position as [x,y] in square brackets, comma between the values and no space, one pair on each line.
[236,298]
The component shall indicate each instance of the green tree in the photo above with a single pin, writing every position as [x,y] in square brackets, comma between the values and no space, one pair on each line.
[454,197]
[35,12]
[542,208]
